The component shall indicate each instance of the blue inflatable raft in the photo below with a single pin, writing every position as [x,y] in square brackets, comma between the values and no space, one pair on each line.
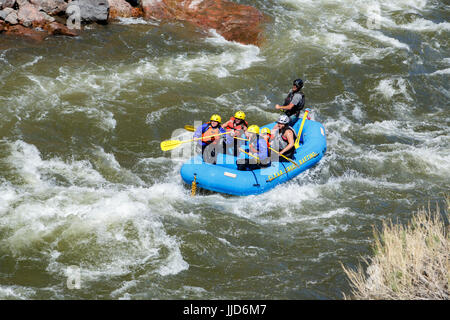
[224,177]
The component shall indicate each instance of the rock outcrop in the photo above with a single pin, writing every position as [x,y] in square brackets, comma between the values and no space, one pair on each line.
[7,3]
[19,30]
[122,9]
[92,10]
[32,19]
[51,7]
[55,28]
[4,13]
[11,16]
[29,15]
[233,21]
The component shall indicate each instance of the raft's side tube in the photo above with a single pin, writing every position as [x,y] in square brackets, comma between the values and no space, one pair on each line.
[219,179]
[306,156]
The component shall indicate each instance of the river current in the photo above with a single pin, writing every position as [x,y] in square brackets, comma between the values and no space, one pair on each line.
[91,208]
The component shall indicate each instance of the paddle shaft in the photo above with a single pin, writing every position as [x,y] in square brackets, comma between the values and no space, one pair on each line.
[172,144]
[191,128]
[290,160]
[297,141]
[214,135]
[251,155]
[196,139]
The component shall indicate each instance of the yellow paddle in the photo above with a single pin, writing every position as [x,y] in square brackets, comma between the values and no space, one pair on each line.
[297,141]
[290,160]
[251,155]
[172,144]
[189,128]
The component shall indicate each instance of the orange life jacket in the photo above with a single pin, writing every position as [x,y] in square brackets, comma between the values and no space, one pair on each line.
[252,148]
[209,132]
[267,137]
[230,125]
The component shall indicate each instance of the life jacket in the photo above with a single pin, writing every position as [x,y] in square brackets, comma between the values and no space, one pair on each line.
[281,142]
[230,125]
[209,131]
[267,137]
[251,145]
[297,107]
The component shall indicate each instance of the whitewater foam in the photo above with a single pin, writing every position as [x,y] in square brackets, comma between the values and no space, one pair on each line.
[132,21]
[16,292]
[440,72]
[394,86]
[121,227]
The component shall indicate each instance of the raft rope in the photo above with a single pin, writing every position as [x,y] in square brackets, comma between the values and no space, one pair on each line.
[194,186]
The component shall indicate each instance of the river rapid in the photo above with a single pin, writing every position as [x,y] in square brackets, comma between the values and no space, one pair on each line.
[87,194]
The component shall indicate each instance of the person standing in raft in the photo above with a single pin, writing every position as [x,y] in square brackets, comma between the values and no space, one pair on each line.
[210,146]
[237,127]
[294,102]
[283,138]
[256,155]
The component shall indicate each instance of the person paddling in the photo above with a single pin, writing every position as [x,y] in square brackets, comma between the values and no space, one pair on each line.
[209,146]
[237,127]
[257,151]
[236,124]
[284,138]
[294,102]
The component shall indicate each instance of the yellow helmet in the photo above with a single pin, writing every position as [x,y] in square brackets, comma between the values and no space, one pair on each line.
[253,129]
[216,117]
[265,130]
[240,115]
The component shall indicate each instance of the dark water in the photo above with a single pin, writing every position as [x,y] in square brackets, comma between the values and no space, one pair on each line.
[86,192]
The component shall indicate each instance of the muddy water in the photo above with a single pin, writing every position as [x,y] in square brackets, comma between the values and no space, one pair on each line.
[86,192]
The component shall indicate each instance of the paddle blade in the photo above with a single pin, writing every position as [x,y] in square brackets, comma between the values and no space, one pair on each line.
[189,128]
[170,144]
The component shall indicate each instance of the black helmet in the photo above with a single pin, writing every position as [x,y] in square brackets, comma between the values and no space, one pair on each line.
[298,83]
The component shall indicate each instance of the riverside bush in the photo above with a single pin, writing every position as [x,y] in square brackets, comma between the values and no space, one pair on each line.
[410,262]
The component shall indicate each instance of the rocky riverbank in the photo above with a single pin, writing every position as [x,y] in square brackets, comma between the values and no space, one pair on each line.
[41,18]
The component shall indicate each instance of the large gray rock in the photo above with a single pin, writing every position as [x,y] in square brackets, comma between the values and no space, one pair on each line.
[22,3]
[7,3]
[92,10]
[5,12]
[12,18]
[3,15]
[29,15]
[122,9]
[52,7]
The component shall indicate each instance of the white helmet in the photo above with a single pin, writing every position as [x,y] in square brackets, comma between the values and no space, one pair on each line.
[283,119]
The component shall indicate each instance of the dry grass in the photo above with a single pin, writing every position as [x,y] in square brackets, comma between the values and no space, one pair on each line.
[410,262]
